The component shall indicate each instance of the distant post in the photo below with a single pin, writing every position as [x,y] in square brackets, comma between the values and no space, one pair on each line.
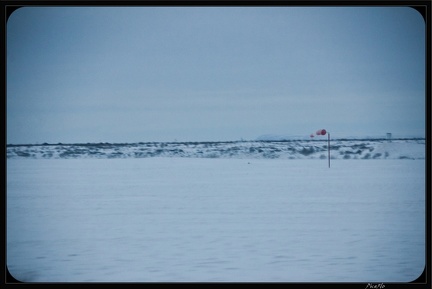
[389,136]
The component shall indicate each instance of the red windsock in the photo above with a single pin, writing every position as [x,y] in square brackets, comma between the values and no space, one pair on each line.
[321,132]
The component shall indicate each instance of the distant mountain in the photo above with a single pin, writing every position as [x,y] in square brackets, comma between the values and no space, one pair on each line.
[276,137]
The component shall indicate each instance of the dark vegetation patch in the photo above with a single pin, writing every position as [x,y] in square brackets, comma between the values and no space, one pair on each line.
[377,155]
[307,151]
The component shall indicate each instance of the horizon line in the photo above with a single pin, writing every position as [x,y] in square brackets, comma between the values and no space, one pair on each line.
[226,141]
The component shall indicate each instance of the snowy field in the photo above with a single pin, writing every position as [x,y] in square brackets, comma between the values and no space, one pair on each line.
[173,219]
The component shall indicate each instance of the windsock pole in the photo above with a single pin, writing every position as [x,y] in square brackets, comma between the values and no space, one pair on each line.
[328,147]
[324,132]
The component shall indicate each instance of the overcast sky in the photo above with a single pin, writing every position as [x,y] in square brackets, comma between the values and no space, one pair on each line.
[132,74]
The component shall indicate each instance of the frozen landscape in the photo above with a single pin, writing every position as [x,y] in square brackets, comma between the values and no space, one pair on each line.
[190,144]
[249,211]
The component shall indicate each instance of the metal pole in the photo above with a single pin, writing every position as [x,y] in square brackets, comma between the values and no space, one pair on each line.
[328,147]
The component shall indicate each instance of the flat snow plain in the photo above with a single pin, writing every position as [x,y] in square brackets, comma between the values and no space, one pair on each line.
[172,219]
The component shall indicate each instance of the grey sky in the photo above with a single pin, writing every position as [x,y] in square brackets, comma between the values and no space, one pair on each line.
[131,74]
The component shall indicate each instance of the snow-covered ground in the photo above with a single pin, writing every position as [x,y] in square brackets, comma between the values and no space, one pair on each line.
[178,219]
